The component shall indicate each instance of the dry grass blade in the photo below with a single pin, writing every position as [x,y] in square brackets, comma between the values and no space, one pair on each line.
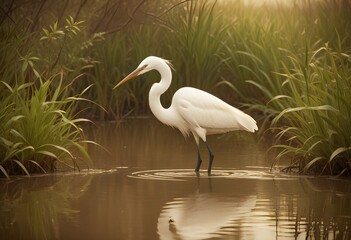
[38,165]
[3,170]
[338,151]
[22,167]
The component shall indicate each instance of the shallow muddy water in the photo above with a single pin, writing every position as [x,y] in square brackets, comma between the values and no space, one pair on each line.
[144,187]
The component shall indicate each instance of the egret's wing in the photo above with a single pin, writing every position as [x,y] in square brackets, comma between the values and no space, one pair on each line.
[201,109]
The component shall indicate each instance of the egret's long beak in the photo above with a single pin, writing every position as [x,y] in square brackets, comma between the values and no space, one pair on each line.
[130,76]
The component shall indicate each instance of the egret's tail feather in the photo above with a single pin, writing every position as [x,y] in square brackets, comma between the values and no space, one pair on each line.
[249,124]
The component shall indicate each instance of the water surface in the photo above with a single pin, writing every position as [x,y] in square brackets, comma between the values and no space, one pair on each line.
[144,187]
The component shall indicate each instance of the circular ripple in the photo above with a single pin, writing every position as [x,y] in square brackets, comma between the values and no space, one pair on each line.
[184,174]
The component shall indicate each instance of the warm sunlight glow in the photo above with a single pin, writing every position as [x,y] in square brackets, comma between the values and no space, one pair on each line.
[269,2]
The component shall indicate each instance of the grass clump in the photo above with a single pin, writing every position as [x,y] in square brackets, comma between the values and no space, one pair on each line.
[315,119]
[40,131]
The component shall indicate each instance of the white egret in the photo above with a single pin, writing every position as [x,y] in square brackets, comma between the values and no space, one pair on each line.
[192,110]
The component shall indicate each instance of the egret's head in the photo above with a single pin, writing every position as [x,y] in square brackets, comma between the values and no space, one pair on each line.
[148,64]
[145,66]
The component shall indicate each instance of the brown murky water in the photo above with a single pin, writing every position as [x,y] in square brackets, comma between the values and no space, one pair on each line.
[145,188]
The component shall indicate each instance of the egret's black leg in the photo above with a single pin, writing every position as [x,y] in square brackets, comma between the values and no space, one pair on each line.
[199,160]
[211,158]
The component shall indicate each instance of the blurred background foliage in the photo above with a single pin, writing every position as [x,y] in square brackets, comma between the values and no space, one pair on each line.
[287,64]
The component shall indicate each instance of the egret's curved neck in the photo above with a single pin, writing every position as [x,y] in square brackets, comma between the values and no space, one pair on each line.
[157,89]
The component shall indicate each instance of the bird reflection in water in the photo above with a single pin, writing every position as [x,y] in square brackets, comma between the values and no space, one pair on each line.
[203,215]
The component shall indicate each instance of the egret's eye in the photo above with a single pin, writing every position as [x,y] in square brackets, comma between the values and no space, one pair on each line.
[143,67]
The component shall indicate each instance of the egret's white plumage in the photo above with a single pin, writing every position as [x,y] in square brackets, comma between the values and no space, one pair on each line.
[192,110]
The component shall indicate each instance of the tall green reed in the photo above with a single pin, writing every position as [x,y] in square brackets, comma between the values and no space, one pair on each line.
[195,44]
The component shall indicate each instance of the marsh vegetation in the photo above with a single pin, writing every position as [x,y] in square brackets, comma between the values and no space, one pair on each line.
[289,65]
